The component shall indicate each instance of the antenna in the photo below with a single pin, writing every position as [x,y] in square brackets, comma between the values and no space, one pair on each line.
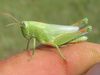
[11,17]
[13,24]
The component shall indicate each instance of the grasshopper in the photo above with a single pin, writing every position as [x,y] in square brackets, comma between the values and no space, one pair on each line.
[52,34]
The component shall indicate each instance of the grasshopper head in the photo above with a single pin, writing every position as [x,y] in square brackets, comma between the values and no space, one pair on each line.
[25,29]
[24,26]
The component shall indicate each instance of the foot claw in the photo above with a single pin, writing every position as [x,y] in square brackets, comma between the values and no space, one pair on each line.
[30,58]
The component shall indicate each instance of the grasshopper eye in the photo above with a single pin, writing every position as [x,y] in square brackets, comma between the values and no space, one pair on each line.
[24,25]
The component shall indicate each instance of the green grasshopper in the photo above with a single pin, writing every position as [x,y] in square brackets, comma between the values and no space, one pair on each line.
[52,34]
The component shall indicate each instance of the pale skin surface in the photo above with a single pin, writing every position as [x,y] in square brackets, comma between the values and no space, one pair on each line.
[47,60]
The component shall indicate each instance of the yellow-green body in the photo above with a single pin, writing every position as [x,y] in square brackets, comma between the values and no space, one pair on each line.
[52,34]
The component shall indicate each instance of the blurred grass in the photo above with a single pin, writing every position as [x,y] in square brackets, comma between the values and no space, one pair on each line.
[49,11]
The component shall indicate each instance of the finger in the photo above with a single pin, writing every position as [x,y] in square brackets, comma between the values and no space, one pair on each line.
[94,70]
[47,60]
[81,57]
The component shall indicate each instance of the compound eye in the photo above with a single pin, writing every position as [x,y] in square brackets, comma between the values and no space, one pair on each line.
[24,25]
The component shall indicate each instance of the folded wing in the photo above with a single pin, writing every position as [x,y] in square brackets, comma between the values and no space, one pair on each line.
[55,30]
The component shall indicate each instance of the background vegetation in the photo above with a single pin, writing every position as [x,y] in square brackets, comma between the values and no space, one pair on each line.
[49,11]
